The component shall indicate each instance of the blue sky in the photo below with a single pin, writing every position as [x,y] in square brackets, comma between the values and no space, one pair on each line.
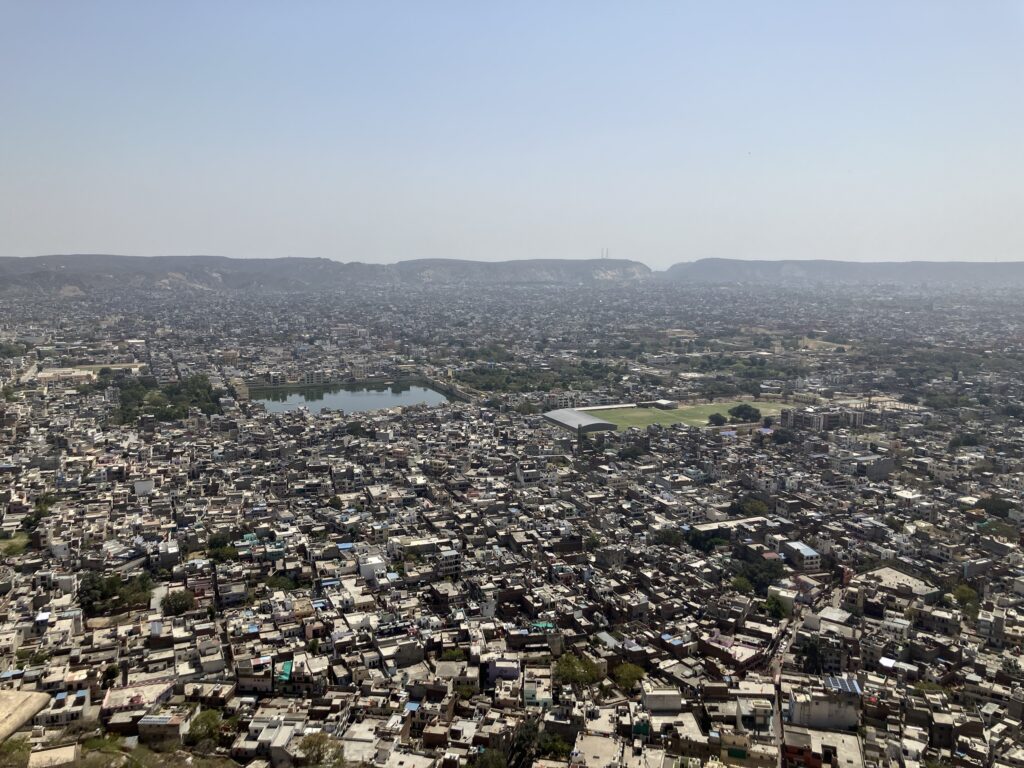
[380,131]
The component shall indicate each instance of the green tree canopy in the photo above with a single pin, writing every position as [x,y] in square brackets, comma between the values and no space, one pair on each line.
[99,594]
[179,602]
[965,595]
[775,607]
[205,726]
[491,758]
[553,746]
[574,670]
[752,506]
[321,751]
[742,584]
[627,675]
[745,412]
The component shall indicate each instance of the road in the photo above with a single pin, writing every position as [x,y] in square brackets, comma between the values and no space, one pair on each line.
[776,664]
[777,726]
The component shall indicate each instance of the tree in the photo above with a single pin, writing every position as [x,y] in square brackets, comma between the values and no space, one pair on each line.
[9,349]
[110,675]
[523,748]
[465,692]
[965,595]
[705,542]
[98,594]
[753,507]
[895,523]
[40,509]
[223,554]
[672,537]
[631,452]
[810,656]
[627,675]
[321,750]
[783,436]
[761,573]
[218,540]
[995,505]
[716,420]
[280,582]
[553,746]
[576,671]
[742,584]
[745,412]
[177,603]
[491,758]
[205,726]
[967,439]
[90,592]
[15,751]
[775,607]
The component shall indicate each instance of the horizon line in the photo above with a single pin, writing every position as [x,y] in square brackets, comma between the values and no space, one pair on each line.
[523,259]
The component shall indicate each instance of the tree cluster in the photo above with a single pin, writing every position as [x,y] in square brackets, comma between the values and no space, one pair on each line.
[574,670]
[178,602]
[744,413]
[760,573]
[705,542]
[99,595]
[143,394]
[627,675]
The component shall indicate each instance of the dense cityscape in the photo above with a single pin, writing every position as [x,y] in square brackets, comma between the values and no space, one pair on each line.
[630,523]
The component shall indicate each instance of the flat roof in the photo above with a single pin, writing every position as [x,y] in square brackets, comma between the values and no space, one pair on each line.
[569,418]
[802,548]
[892,579]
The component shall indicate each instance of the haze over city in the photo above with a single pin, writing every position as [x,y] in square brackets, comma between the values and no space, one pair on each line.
[511,385]
[378,132]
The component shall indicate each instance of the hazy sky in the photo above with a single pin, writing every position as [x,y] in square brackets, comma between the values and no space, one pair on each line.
[380,131]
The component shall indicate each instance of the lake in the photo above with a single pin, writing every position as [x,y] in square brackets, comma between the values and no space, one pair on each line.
[350,399]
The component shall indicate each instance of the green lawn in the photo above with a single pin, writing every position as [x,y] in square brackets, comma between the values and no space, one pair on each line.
[692,415]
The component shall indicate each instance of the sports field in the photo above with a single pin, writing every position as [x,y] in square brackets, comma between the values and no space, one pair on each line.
[692,415]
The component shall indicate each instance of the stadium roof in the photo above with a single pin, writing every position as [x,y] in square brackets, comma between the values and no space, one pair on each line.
[17,708]
[568,418]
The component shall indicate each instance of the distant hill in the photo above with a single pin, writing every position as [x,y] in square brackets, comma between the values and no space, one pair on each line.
[85,273]
[723,271]
[80,274]
[564,271]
